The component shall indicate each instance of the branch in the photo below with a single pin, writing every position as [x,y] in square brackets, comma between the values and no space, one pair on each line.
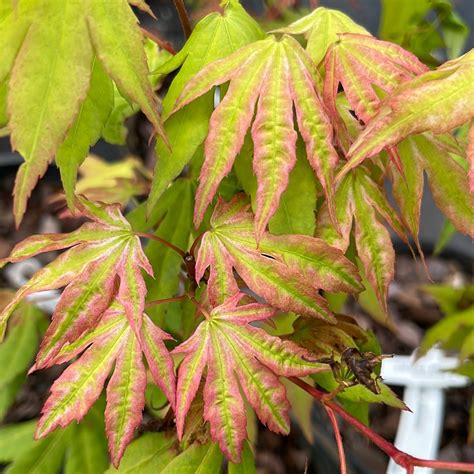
[183,17]
[146,235]
[156,39]
[166,300]
[337,434]
[403,459]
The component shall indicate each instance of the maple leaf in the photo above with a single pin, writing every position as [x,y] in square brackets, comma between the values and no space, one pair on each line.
[358,198]
[214,37]
[439,155]
[470,156]
[277,74]
[103,253]
[436,101]
[234,351]
[287,271]
[367,68]
[79,386]
[52,90]
[321,28]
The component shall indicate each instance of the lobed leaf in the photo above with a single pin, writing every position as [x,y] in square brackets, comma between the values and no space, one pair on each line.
[62,112]
[101,253]
[113,342]
[214,37]
[62,80]
[435,101]
[287,78]
[321,28]
[233,352]
[287,271]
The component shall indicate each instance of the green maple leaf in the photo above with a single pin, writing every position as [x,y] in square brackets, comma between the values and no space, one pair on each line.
[59,61]
[79,386]
[360,200]
[79,448]
[105,259]
[214,37]
[420,105]
[287,271]
[271,75]
[321,29]
[233,351]
[436,101]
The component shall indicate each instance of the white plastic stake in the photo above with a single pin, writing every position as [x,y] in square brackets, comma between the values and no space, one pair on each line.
[425,380]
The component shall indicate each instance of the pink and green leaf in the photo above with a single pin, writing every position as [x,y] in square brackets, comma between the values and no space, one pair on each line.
[322,27]
[234,351]
[125,397]
[374,246]
[436,101]
[270,74]
[101,252]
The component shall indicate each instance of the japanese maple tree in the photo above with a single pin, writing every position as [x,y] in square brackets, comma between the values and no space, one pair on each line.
[268,196]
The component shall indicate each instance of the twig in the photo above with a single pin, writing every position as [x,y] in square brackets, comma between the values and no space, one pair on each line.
[403,459]
[146,235]
[156,39]
[166,300]
[183,17]
[337,434]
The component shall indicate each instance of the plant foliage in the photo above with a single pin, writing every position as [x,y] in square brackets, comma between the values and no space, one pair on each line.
[277,149]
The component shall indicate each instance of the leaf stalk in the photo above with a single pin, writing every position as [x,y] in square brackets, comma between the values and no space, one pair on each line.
[176,249]
[183,17]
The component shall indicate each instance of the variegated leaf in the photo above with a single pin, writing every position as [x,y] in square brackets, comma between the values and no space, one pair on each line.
[103,253]
[113,341]
[360,200]
[322,27]
[436,101]
[214,37]
[287,271]
[234,353]
[270,75]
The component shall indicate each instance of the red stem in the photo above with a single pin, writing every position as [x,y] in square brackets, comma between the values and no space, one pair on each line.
[166,300]
[183,17]
[195,243]
[337,434]
[162,241]
[156,39]
[403,459]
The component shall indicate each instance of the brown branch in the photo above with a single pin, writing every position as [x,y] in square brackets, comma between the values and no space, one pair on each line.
[156,39]
[179,251]
[403,459]
[183,17]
